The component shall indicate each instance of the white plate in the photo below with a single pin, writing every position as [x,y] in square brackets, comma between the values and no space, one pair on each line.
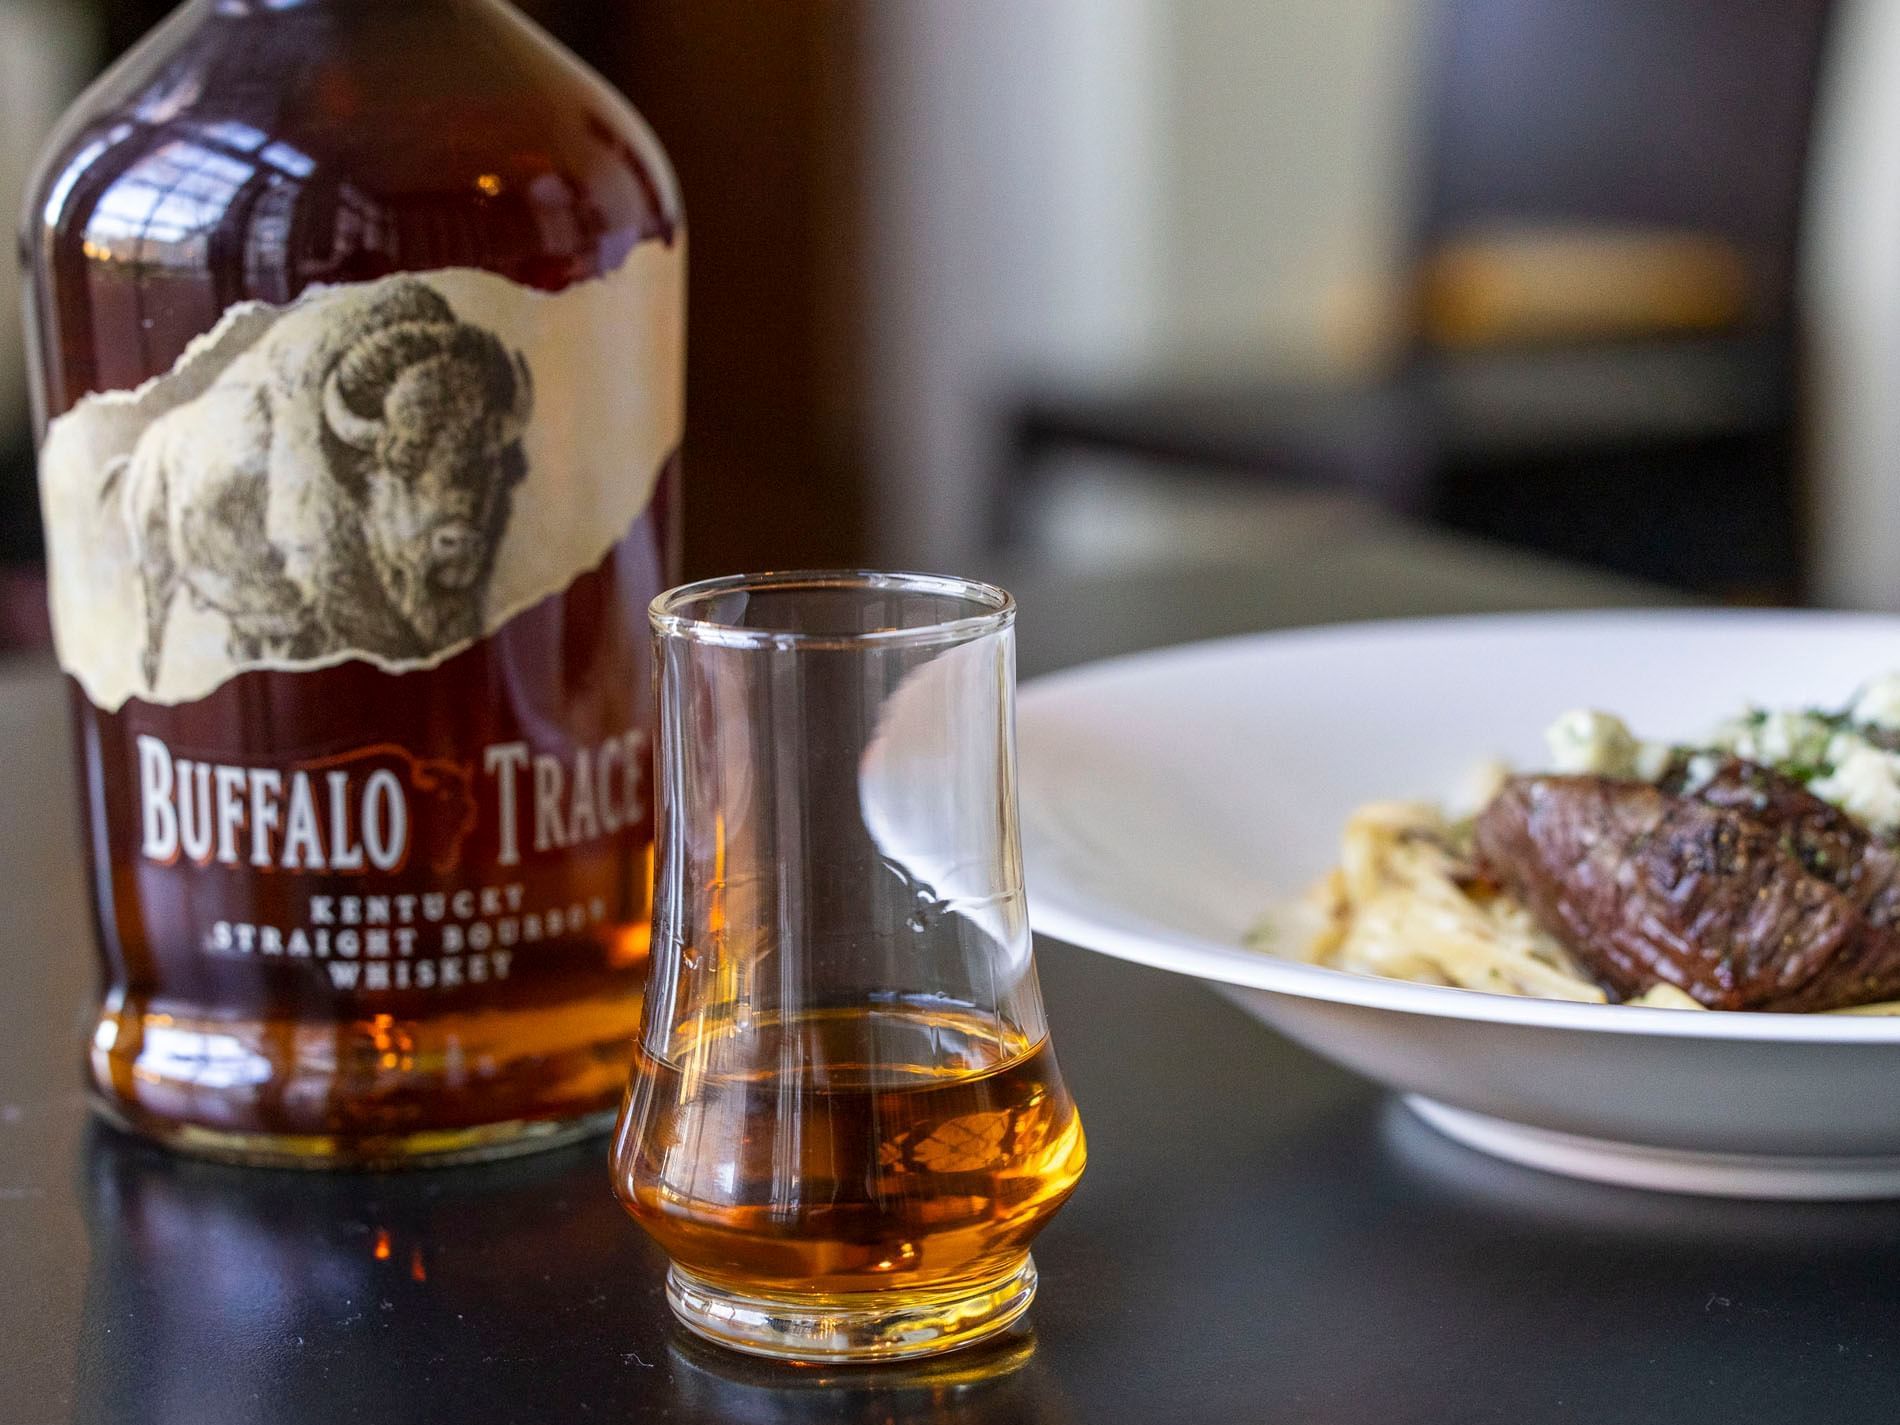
[1170,798]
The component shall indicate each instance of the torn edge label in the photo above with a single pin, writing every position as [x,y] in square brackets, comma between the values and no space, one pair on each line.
[387,471]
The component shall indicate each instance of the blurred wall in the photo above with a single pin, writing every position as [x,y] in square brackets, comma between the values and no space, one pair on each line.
[1286,128]
[1064,190]
[1011,226]
[46,51]
[759,104]
[1851,278]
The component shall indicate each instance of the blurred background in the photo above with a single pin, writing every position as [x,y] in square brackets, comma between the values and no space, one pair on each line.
[1117,283]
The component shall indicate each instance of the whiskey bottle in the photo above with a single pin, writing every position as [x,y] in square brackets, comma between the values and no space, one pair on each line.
[357,328]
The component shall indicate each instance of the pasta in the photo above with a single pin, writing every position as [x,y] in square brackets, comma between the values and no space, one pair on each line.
[1399,905]
[1409,901]
[1402,905]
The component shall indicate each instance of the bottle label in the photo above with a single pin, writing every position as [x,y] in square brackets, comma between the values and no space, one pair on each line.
[385,472]
[393,872]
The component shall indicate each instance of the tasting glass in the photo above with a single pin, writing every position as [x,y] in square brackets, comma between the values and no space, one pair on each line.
[845,1122]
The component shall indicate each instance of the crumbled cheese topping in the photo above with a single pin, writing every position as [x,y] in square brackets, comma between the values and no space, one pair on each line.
[1878,704]
[1838,756]
[1864,783]
[1584,741]
[1653,759]
[1587,742]
[1776,739]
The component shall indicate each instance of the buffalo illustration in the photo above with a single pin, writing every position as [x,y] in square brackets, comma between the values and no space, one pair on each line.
[341,487]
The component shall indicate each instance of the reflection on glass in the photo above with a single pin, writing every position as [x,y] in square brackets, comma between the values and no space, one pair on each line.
[176,193]
[198,185]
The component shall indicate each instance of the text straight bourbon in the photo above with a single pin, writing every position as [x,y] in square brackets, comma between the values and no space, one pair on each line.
[358,332]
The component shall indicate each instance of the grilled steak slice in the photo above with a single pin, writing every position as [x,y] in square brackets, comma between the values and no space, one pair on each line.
[1828,842]
[1646,886]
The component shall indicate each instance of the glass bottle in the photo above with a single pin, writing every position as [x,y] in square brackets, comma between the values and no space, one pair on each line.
[846,1123]
[357,329]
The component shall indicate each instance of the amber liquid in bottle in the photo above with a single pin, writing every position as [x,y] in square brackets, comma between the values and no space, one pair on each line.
[248,152]
[849,1151]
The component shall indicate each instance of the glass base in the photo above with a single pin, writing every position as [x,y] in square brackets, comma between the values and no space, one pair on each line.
[862,1326]
[437,1148]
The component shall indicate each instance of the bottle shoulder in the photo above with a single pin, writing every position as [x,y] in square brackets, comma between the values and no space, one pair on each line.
[335,143]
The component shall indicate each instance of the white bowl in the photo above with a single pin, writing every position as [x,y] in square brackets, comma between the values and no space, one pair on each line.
[1170,799]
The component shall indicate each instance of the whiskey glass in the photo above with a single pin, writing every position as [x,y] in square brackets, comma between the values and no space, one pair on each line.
[845,1122]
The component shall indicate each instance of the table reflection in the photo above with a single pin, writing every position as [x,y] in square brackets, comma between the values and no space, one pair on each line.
[1457,1182]
[220,1293]
[223,1293]
[990,1384]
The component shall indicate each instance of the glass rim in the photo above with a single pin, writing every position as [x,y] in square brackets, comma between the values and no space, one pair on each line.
[666,614]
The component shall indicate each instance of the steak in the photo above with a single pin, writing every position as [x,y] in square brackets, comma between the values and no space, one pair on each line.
[1828,842]
[1747,894]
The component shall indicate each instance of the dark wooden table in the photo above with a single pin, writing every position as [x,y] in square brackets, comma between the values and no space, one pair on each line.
[1260,1237]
